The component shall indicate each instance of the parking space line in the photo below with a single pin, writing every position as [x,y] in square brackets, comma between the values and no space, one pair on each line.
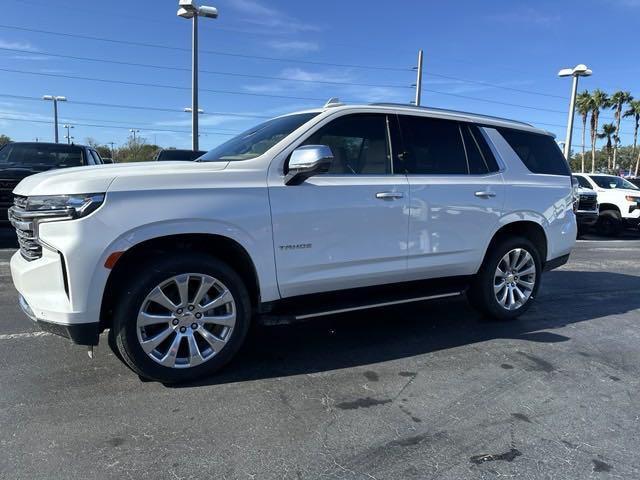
[11,336]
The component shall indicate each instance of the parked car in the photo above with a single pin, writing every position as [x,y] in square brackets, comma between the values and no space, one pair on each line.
[619,201]
[585,205]
[21,159]
[173,154]
[308,214]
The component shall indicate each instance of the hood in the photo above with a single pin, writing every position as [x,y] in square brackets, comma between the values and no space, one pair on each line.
[96,179]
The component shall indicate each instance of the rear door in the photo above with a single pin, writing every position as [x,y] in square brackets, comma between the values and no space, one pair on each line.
[456,195]
[346,228]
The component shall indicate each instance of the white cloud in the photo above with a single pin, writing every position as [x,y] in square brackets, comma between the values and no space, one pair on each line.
[17,45]
[527,15]
[304,80]
[293,46]
[263,16]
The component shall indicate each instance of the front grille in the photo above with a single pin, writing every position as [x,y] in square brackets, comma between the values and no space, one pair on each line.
[30,249]
[588,202]
[6,189]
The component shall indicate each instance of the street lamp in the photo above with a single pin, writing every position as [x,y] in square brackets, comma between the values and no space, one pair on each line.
[55,99]
[578,71]
[134,131]
[68,135]
[189,10]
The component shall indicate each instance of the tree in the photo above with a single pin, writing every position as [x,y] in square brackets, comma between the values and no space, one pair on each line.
[4,140]
[609,132]
[599,100]
[583,105]
[634,111]
[618,101]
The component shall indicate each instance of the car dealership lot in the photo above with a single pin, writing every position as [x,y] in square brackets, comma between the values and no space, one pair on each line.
[422,391]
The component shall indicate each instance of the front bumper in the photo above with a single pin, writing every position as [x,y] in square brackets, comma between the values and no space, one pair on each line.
[586,218]
[80,333]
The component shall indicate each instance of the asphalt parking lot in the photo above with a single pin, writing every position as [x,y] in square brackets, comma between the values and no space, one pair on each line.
[422,391]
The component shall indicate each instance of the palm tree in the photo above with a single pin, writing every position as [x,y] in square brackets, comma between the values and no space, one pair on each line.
[634,111]
[609,132]
[618,100]
[583,105]
[599,100]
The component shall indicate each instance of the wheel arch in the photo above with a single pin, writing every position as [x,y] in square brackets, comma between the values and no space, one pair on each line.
[609,206]
[529,229]
[219,246]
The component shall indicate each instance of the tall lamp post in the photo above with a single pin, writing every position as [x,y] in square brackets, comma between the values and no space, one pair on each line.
[133,132]
[188,9]
[578,71]
[55,99]
[68,135]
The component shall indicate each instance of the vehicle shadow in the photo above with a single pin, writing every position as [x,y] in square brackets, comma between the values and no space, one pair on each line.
[380,335]
[627,234]
[8,237]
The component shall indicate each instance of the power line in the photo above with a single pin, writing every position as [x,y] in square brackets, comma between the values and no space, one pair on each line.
[211,72]
[493,85]
[210,52]
[116,126]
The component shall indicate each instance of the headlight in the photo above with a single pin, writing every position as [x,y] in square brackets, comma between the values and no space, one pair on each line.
[74,206]
[632,199]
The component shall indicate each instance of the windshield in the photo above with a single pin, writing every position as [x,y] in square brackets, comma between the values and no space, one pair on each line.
[257,140]
[609,182]
[166,155]
[40,155]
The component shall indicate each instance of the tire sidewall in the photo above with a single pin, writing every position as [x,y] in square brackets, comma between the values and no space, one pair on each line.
[152,273]
[486,278]
[610,223]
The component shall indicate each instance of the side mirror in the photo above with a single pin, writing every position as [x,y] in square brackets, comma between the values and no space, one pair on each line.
[107,160]
[308,161]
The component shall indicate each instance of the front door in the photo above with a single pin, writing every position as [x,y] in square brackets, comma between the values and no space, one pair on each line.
[347,228]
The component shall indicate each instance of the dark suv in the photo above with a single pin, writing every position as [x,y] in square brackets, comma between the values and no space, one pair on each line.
[21,159]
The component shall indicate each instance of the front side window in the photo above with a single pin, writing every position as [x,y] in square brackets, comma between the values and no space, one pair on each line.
[359,143]
[257,140]
[611,182]
[540,153]
[432,146]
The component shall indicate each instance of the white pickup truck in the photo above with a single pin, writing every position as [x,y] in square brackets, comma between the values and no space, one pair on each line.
[619,201]
[313,213]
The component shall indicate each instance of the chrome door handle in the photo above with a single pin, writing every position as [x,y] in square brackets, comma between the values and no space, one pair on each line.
[389,195]
[485,194]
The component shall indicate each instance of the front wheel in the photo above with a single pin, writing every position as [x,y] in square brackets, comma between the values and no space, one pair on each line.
[508,280]
[181,317]
[609,223]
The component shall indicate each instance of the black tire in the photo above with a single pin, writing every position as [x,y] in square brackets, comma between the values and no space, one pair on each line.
[609,223]
[481,291]
[153,272]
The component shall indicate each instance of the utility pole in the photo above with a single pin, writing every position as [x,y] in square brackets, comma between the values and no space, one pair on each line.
[68,135]
[418,83]
[55,99]
[113,155]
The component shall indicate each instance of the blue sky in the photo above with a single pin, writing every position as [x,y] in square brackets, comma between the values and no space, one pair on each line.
[515,46]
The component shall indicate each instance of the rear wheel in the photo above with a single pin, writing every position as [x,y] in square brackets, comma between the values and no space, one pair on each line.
[508,280]
[609,223]
[181,318]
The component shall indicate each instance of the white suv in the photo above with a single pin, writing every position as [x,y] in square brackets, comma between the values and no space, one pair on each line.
[619,201]
[308,214]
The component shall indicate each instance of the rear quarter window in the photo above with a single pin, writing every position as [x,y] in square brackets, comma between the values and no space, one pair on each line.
[539,153]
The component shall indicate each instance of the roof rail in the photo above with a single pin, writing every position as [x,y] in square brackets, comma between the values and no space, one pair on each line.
[444,110]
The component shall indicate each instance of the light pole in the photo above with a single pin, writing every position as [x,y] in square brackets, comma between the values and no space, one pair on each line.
[55,99]
[68,135]
[578,71]
[188,9]
[133,132]
[418,83]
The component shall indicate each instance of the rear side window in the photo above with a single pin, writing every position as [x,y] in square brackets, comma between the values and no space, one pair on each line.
[481,159]
[432,146]
[540,153]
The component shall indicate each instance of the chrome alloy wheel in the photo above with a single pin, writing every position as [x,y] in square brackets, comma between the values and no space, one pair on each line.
[514,279]
[186,320]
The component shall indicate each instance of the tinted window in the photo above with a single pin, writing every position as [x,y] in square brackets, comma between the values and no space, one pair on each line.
[477,163]
[173,154]
[358,142]
[610,182]
[487,154]
[43,155]
[432,146]
[257,140]
[583,182]
[540,153]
